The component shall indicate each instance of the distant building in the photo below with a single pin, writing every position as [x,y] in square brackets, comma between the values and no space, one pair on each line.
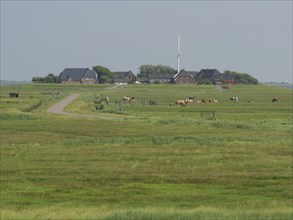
[228,78]
[161,78]
[194,74]
[123,78]
[183,77]
[142,80]
[209,74]
[78,76]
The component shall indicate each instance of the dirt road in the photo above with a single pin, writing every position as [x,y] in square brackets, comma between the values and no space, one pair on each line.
[59,108]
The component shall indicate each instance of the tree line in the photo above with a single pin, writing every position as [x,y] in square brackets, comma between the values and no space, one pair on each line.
[50,78]
[243,78]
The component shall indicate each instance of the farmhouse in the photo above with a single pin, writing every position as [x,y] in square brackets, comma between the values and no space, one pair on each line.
[211,74]
[142,80]
[161,78]
[78,76]
[183,77]
[123,78]
[229,78]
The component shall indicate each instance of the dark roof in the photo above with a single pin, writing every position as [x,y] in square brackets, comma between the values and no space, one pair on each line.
[193,73]
[160,76]
[183,72]
[228,76]
[209,73]
[142,79]
[76,74]
[122,74]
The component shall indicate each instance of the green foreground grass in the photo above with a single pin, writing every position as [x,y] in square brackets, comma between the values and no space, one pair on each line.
[147,162]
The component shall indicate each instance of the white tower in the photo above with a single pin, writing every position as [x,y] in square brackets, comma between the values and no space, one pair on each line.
[178,54]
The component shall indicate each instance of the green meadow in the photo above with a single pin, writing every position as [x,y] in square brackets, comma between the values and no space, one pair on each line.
[146,160]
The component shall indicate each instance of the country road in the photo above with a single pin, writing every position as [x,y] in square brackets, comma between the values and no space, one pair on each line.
[59,108]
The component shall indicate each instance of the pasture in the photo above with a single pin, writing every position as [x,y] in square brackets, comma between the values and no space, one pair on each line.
[146,161]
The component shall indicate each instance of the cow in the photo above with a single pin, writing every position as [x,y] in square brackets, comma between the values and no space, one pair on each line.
[213,100]
[132,101]
[191,98]
[235,99]
[187,101]
[276,99]
[126,98]
[180,102]
[203,100]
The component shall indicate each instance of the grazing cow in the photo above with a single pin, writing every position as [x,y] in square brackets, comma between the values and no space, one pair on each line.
[235,99]
[126,98]
[132,101]
[192,98]
[213,100]
[180,102]
[276,99]
[187,101]
[198,101]
[203,100]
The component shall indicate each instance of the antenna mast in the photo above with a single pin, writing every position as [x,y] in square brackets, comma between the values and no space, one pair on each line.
[178,54]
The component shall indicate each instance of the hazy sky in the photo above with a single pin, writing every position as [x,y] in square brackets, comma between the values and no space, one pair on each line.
[38,38]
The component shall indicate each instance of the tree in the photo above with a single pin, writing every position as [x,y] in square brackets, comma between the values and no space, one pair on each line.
[243,78]
[50,78]
[104,74]
[146,69]
[38,79]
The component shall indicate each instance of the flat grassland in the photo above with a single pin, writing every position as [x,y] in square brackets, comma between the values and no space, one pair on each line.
[146,161]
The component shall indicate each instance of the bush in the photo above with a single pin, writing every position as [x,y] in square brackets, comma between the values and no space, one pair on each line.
[100,107]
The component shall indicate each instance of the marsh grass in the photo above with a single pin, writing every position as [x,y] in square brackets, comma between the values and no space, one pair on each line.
[17,116]
[177,141]
[147,162]
[148,213]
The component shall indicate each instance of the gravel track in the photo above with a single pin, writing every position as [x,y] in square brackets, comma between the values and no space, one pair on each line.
[59,108]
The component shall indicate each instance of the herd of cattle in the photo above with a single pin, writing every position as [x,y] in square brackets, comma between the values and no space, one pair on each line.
[182,102]
[189,100]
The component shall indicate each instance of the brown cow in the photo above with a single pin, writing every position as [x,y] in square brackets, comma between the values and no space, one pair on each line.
[180,102]
[187,101]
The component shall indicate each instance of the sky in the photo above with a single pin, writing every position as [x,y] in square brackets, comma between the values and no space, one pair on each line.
[42,37]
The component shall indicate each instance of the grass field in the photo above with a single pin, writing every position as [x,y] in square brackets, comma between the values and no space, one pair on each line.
[146,161]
